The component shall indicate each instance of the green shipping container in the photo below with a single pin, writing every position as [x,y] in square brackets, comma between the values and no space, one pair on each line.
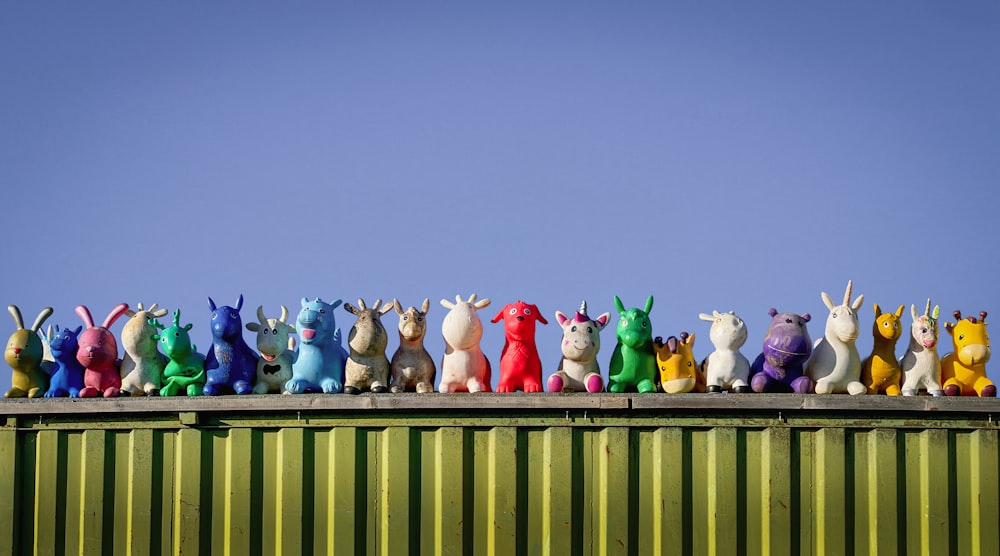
[501,474]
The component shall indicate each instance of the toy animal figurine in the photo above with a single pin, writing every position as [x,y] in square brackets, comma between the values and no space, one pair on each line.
[835,366]
[24,355]
[880,372]
[98,353]
[185,369]
[920,364]
[520,366]
[67,372]
[319,366]
[142,365]
[779,368]
[633,363]
[411,366]
[964,370]
[726,368]
[230,365]
[464,367]
[276,346]
[578,370]
[367,367]
[679,372]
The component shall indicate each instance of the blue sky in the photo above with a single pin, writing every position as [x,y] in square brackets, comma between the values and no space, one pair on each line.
[717,155]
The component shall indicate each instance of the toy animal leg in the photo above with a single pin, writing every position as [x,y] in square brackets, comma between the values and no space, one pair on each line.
[331,386]
[556,381]
[824,387]
[112,392]
[89,392]
[425,388]
[210,389]
[36,392]
[952,387]
[150,389]
[56,393]
[192,390]
[532,386]
[892,390]
[261,388]
[856,388]
[475,385]
[985,387]
[802,385]
[616,387]
[645,386]
[594,383]
[242,387]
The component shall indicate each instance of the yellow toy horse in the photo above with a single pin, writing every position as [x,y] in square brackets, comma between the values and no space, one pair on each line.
[880,371]
[679,373]
[963,372]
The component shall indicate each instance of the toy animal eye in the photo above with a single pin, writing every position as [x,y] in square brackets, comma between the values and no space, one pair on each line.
[513,311]
[590,330]
[274,331]
[834,315]
[689,363]
[215,316]
[265,332]
[572,328]
[232,315]
[527,311]
[923,330]
[322,310]
[406,317]
[961,336]
[624,322]
[420,319]
[645,323]
[885,324]
[176,335]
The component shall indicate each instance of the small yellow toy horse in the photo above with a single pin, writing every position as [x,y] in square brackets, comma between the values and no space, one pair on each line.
[679,372]
[963,372]
[880,371]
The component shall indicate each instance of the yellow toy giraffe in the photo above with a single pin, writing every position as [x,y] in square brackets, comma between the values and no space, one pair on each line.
[880,371]
[679,372]
[963,372]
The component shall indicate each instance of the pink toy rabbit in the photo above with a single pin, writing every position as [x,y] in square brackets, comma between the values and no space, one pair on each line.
[98,353]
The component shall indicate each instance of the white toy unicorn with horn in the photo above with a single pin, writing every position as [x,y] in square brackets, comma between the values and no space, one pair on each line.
[920,364]
[835,365]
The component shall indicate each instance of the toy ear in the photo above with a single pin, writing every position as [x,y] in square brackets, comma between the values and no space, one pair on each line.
[708,317]
[130,313]
[899,311]
[159,314]
[949,327]
[857,302]
[481,303]
[239,302]
[913,312]
[649,305]
[689,341]
[44,314]
[397,307]
[211,304]
[603,319]
[16,313]
[188,327]
[385,308]
[499,315]
[827,301]
[253,327]
[878,310]
[425,306]
[78,330]
[619,305]
[447,304]
[806,317]
[48,335]
[561,318]
[772,311]
[937,311]
[351,308]
[115,313]
[336,304]
[85,316]
[304,302]
[538,315]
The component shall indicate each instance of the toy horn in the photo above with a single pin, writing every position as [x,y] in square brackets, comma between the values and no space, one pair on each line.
[982,316]
[927,311]
[260,315]
[284,314]
[957,314]
[847,294]
[581,315]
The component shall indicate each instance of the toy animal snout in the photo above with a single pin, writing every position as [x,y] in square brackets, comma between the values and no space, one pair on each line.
[974,354]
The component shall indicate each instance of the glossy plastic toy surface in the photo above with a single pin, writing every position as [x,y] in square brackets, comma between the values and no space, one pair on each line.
[780,366]
[24,355]
[67,372]
[319,366]
[835,365]
[412,368]
[464,367]
[142,365]
[633,363]
[98,353]
[578,369]
[679,371]
[185,369]
[276,346]
[920,364]
[726,368]
[230,364]
[964,369]
[880,371]
[367,367]
[520,366]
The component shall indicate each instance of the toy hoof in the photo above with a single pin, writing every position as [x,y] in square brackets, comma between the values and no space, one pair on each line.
[936,393]
[909,392]
[742,390]
[952,390]
[989,391]
[354,391]
[595,384]
[378,390]
[714,389]
[555,383]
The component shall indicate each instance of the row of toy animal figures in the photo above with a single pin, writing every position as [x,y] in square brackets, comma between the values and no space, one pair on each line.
[84,362]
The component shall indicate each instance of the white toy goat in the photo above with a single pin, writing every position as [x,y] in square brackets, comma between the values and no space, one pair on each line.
[367,367]
[464,367]
[726,368]
[835,365]
[920,364]
[142,365]
[276,346]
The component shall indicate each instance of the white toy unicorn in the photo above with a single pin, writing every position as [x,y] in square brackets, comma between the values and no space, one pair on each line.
[835,365]
[726,368]
[920,364]
[578,369]
[464,367]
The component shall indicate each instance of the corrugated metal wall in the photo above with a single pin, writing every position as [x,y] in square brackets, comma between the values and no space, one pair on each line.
[532,483]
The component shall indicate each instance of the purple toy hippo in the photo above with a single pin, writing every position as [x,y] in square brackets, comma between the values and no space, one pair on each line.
[787,346]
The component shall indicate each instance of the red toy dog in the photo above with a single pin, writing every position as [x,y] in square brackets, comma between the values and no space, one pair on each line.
[520,366]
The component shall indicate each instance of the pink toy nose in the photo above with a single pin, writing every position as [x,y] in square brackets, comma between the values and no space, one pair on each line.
[17,351]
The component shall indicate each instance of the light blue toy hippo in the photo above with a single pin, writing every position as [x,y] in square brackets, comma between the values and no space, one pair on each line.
[319,362]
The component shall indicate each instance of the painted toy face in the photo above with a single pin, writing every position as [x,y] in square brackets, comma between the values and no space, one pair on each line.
[634,329]
[787,340]
[925,331]
[23,348]
[519,320]
[315,321]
